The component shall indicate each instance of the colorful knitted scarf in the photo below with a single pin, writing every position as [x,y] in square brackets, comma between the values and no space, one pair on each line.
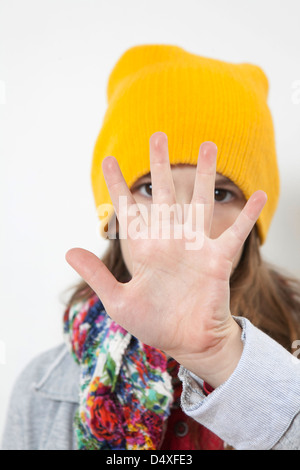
[125,391]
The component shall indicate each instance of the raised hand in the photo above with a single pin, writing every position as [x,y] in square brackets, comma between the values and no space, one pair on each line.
[178,299]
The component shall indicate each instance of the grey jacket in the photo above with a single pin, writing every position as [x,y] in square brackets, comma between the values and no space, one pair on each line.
[258,407]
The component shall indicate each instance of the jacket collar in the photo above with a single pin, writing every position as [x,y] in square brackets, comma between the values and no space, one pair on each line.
[60,380]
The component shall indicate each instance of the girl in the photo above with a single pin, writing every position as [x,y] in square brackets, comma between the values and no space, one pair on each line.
[171,342]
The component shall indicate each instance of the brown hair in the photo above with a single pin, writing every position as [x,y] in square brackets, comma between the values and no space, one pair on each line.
[258,291]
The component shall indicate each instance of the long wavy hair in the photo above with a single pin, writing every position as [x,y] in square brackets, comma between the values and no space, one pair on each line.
[258,291]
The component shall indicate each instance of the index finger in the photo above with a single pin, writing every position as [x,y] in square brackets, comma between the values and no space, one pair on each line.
[120,194]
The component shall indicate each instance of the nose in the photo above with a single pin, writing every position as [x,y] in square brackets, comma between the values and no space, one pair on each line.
[183,199]
[184,185]
[184,179]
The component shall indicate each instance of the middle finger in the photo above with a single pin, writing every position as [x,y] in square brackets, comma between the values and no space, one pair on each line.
[163,191]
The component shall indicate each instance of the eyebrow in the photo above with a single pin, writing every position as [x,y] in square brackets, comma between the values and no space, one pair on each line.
[219,179]
[146,175]
[224,180]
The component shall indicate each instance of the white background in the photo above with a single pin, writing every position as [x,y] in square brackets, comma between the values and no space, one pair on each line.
[55,59]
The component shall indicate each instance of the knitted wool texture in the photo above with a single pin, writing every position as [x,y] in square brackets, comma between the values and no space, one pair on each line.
[192,99]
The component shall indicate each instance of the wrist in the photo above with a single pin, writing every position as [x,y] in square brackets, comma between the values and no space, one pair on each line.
[218,364]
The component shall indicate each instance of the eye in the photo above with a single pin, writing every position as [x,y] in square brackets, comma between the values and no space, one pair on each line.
[144,189]
[223,195]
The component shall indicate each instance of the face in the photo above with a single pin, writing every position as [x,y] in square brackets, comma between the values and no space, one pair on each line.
[229,201]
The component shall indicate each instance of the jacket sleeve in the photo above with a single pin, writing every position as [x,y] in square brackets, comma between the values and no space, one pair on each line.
[13,433]
[42,404]
[258,407]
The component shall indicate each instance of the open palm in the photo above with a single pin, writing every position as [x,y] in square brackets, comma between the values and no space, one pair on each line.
[178,297]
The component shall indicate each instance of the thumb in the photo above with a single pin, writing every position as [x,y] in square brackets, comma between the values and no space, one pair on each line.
[94,272]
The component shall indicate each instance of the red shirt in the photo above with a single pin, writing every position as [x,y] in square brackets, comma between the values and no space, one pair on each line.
[183,432]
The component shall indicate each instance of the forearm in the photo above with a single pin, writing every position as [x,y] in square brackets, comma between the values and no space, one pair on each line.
[217,364]
[257,404]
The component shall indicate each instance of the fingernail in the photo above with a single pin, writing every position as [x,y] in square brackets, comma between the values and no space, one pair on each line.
[207,146]
[158,138]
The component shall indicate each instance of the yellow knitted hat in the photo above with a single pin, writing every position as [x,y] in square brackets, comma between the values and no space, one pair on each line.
[192,99]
